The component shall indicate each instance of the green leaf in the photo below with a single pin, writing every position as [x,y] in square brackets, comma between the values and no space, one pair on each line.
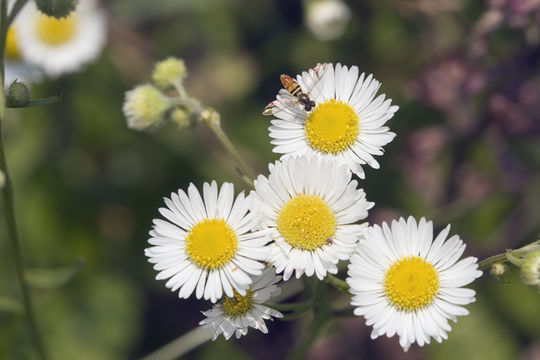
[40,102]
[53,278]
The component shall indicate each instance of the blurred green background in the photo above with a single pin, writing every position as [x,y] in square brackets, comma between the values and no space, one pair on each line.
[466,152]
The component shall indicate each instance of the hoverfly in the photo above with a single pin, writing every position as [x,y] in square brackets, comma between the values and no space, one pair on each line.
[292,87]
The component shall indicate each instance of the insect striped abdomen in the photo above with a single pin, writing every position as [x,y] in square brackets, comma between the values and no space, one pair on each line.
[291,85]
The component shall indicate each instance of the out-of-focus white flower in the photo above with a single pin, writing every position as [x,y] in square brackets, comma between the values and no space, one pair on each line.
[63,45]
[327,19]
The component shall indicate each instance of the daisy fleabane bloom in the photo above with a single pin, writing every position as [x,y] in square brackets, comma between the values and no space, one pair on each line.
[62,45]
[235,315]
[310,205]
[403,282]
[347,124]
[206,244]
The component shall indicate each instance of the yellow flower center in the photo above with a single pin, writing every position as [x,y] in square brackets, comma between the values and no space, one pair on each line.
[411,283]
[306,222]
[238,305]
[54,31]
[12,49]
[211,243]
[332,127]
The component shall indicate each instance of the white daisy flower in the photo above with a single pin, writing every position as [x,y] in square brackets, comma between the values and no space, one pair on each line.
[310,204]
[207,245]
[63,45]
[347,123]
[235,315]
[405,283]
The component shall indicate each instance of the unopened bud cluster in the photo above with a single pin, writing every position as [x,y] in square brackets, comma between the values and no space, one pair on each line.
[150,105]
[530,270]
[527,259]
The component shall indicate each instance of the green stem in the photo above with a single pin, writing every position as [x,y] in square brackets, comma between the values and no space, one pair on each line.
[486,263]
[214,123]
[7,196]
[321,314]
[513,256]
[245,171]
[337,283]
[181,345]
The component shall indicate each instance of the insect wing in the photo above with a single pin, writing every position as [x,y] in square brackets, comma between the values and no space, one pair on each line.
[282,103]
[310,78]
[286,101]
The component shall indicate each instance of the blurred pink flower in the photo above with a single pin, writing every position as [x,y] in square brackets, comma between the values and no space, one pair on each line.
[418,165]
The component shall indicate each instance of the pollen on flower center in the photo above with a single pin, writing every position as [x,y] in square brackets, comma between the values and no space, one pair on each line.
[306,222]
[238,305]
[12,49]
[54,31]
[411,283]
[332,126]
[211,243]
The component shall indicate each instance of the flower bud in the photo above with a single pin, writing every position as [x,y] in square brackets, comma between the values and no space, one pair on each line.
[530,270]
[168,72]
[497,269]
[56,8]
[145,106]
[18,94]
[211,117]
[181,118]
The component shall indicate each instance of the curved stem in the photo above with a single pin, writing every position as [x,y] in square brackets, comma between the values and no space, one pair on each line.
[486,263]
[245,171]
[337,283]
[181,345]
[7,197]
[513,256]
[321,314]
[212,119]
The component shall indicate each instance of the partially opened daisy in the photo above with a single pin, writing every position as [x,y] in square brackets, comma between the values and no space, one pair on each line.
[404,282]
[235,315]
[207,246]
[310,204]
[61,45]
[347,123]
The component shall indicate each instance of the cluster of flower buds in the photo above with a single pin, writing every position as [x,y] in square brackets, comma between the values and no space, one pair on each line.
[527,259]
[148,106]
